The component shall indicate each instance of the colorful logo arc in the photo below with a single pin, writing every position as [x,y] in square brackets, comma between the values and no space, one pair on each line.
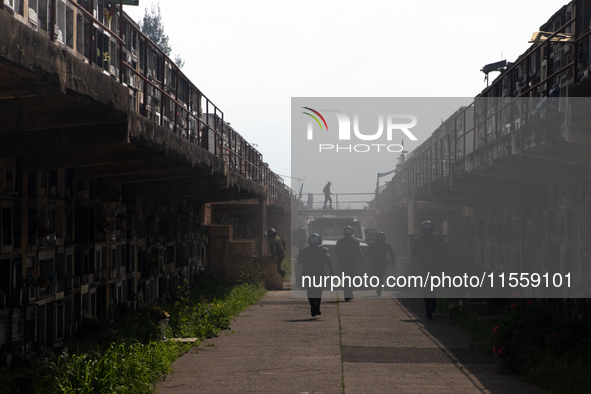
[315,118]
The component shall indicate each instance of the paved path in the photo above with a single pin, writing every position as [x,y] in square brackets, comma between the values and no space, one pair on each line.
[366,346]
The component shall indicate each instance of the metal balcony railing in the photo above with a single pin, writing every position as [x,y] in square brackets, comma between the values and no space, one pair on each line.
[104,36]
[526,92]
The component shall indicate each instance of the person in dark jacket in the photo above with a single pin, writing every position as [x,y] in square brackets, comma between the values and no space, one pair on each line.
[316,260]
[429,249]
[348,251]
[327,195]
[277,248]
[299,238]
[378,253]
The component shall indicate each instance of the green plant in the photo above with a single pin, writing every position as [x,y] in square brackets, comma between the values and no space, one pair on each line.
[121,368]
[132,358]
[567,373]
[530,339]
[139,325]
[208,309]
[529,331]
[464,313]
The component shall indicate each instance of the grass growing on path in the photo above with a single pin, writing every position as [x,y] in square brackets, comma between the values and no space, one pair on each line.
[134,358]
[122,368]
[209,309]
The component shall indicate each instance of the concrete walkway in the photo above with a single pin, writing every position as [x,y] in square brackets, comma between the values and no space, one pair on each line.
[363,346]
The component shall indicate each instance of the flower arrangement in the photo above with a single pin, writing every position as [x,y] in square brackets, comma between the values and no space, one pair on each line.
[108,13]
[31,278]
[158,313]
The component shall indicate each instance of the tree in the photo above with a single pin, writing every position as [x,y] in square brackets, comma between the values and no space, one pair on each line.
[179,62]
[151,26]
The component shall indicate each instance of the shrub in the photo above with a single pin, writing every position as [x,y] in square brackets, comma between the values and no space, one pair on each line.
[122,368]
[529,332]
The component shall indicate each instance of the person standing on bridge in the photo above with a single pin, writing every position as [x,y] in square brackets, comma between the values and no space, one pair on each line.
[430,251]
[327,195]
[378,252]
[348,251]
[277,248]
[315,259]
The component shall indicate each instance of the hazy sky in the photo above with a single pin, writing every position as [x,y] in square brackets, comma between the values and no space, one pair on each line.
[251,57]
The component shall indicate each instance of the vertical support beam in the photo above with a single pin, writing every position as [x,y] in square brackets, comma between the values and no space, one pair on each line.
[413,227]
[75,31]
[91,52]
[578,17]
[25,222]
[262,248]
[51,20]
[163,87]
[548,69]
[108,262]
[135,272]
[145,61]
[120,34]
[176,98]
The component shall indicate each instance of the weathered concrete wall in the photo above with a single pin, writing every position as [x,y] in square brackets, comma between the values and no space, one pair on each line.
[281,221]
[47,77]
[523,237]
[234,260]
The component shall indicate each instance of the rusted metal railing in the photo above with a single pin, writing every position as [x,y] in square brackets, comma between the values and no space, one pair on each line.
[103,35]
[520,95]
[347,200]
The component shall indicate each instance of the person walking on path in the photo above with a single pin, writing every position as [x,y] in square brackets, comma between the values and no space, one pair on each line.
[327,195]
[348,251]
[430,251]
[378,252]
[277,248]
[315,259]
[299,238]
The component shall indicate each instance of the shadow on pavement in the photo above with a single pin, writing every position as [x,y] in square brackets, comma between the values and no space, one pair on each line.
[301,320]
[481,369]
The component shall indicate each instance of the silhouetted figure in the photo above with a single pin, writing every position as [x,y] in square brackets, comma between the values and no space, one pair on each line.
[348,251]
[299,238]
[327,195]
[277,248]
[430,251]
[378,252]
[316,260]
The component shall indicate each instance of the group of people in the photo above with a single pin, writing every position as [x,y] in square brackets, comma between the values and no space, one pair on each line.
[427,248]
[316,261]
